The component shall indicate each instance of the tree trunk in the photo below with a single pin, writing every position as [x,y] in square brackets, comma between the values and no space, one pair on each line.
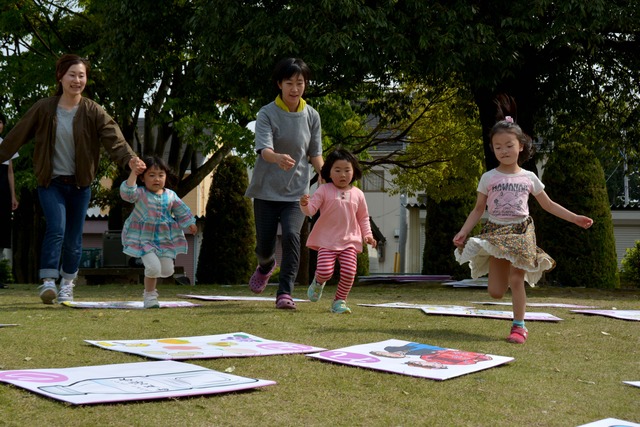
[28,232]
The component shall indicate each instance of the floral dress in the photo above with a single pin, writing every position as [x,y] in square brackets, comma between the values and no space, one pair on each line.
[156,223]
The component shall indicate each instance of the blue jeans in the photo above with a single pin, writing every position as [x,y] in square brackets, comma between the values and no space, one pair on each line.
[65,208]
[267,215]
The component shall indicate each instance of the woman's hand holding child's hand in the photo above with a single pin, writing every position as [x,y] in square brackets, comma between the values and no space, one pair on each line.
[137,165]
[304,200]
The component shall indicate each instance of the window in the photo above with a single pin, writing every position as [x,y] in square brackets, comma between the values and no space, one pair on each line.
[373,181]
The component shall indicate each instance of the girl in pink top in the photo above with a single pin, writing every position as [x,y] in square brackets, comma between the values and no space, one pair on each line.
[506,247]
[341,228]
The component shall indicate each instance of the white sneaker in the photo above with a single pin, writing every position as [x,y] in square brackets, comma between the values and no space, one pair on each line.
[48,291]
[66,291]
[151,299]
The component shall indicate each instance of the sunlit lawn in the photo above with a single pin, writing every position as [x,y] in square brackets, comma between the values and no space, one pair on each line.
[569,373]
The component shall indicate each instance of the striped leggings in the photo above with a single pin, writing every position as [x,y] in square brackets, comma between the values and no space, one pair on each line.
[348,266]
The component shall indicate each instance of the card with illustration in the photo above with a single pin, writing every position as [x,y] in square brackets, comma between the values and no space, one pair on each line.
[233,298]
[129,305]
[610,422]
[412,359]
[126,382]
[617,314]
[236,344]
[410,305]
[492,314]
[481,282]
[536,304]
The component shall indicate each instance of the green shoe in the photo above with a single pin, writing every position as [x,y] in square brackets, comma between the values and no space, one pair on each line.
[340,307]
[315,290]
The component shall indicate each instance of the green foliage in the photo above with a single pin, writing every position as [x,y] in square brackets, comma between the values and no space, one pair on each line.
[194,66]
[630,273]
[444,154]
[228,243]
[275,277]
[6,275]
[363,262]
[444,219]
[574,179]
[568,373]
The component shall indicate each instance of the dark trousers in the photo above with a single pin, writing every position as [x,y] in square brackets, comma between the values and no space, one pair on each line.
[268,215]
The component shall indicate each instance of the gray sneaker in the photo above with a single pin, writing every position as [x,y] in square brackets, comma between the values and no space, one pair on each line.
[66,291]
[151,299]
[48,291]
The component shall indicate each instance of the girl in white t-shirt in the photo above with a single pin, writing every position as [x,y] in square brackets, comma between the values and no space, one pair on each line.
[506,247]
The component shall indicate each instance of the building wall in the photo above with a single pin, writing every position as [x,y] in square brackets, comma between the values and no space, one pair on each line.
[386,211]
[94,238]
[626,229]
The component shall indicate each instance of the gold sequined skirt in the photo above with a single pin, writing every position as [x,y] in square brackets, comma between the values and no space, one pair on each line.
[513,242]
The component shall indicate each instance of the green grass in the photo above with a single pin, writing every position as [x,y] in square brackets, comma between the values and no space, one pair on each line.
[567,374]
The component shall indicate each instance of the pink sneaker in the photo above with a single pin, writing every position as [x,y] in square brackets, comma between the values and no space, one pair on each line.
[518,335]
[259,280]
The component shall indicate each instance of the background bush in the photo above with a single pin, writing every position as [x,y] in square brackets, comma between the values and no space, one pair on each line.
[630,273]
[444,220]
[6,276]
[227,253]
[574,178]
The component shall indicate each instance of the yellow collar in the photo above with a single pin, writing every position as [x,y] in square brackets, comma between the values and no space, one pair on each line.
[280,103]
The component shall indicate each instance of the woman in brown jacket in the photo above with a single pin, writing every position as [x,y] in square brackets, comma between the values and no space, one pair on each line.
[68,130]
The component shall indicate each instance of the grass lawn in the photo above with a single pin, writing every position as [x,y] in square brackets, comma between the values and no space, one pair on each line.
[568,373]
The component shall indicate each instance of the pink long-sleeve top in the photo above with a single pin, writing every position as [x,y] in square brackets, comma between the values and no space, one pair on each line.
[344,218]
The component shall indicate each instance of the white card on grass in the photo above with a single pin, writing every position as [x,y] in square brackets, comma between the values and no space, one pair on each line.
[412,358]
[233,298]
[236,344]
[493,314]
[536,304]
[610,422]
[617,314]
[127,382]
[130,305]
[410,305]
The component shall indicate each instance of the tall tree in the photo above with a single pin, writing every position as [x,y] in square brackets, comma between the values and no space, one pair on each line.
[200,69]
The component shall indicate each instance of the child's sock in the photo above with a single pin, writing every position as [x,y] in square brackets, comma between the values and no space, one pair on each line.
[519,323]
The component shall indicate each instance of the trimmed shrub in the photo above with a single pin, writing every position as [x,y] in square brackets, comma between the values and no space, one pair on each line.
[630,273]
[6,275]
[574,179]
[444,219]
[227,253]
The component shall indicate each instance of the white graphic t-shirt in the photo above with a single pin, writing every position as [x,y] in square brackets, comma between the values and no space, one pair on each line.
[508,194]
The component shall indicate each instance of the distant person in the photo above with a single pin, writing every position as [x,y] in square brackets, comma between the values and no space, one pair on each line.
[69,131]
[341,228]
[506,247]
[153,231]
[8,200]
[288,142]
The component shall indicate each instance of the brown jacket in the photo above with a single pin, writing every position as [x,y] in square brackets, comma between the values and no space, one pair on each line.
[92,127]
